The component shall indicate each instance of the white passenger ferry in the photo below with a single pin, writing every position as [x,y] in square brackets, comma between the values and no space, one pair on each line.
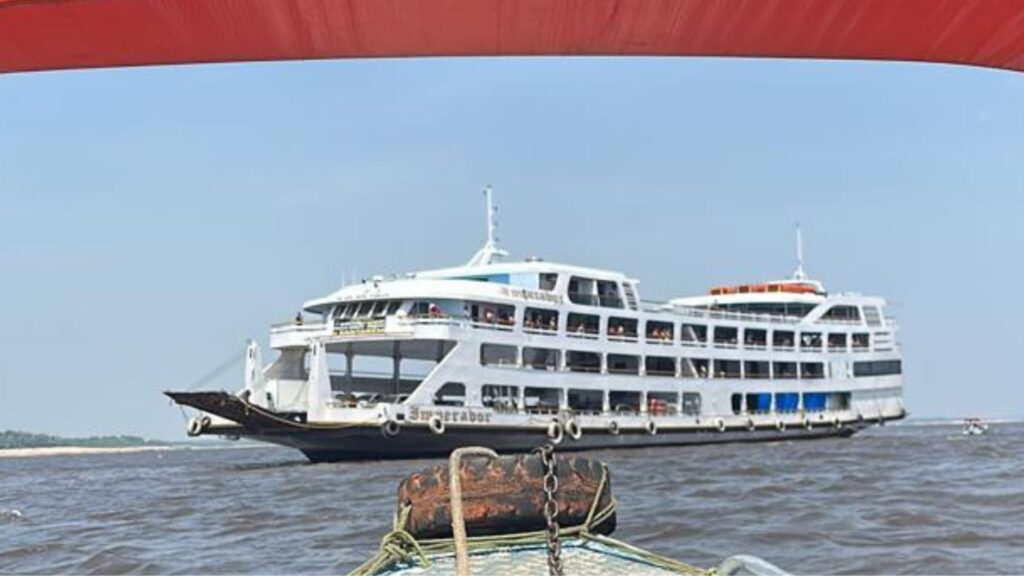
[514,354]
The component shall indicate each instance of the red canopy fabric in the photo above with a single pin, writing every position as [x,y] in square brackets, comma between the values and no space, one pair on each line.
[55,34]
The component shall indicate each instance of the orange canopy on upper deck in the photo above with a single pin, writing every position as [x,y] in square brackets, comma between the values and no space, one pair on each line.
[58,34]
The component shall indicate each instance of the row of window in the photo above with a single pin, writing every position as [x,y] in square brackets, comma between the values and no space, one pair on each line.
[788,402]
[589,325]
[668,366]
[543,400]
[878,368]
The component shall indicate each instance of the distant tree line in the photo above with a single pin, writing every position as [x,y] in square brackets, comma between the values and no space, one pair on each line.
[15,439]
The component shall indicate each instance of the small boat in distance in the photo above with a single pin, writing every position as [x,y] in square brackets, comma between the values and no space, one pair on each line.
[506,354]
[975,427]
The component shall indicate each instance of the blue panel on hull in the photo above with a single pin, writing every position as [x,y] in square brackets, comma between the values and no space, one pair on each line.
[787,402]
[814,402]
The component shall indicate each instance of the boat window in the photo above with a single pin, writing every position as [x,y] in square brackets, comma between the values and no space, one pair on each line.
[623,364]
[581,291]
[660,366]
[622,402]
[861,341]
[810,340]
[737,403]
[379,308]
[755,370]
[726,336]
[838,401]
[365,308]
[343,311]
[694,367]
[691,403]
[630,292]
[872,316]
[577,361]
[787,402]
[784,370]
[542,400]
[393,307]
[451,394]
[812,370]
[583,324]
[814,401]
[622,327]
[759,403]
[693,333]
[540,319]
[842,313]
[500,397]
[755,338]
[586,401]
[877,368]
[492,314]
[608,294]
[660,331]
[541,358]
[548,280]
[783,339]
[497,355]
[727,369]
[837,341]
[662,403]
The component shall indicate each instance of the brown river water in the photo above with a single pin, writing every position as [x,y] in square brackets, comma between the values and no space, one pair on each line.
[904,499]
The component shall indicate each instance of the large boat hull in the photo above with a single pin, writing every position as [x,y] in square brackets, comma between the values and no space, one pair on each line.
[329,443]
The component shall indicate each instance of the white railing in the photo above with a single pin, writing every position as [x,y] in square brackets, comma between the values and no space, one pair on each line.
[708,313]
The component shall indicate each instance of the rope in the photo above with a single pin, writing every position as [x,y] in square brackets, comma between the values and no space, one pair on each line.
[455,490]
[217,371]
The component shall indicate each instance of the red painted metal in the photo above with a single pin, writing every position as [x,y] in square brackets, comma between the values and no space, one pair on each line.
[55,34]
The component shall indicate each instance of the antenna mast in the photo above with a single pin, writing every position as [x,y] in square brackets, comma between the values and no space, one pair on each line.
[799,273]
[490,251]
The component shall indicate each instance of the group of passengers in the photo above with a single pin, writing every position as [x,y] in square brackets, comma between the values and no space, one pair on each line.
[501,317]
[537,322]
[664,334]
[621,330]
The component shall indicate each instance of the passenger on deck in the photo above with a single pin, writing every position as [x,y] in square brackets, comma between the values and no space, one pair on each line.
[552,324]
[298,318]
[489,316]
[434,310]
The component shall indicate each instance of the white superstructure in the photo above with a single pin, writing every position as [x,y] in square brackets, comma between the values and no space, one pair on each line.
[511,354]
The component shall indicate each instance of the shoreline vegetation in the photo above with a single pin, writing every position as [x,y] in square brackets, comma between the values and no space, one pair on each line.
[16,444]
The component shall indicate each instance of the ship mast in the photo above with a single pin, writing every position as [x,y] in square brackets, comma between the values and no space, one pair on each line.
[799,273]
[490,251]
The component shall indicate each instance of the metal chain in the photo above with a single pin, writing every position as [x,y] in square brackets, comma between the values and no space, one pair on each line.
[547,457]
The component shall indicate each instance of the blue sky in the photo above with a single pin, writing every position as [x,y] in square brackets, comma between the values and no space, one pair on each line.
[152,219]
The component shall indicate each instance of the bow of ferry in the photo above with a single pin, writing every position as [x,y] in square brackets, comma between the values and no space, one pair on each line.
[512,354]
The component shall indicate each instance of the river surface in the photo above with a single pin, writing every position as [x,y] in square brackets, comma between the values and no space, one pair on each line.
[913,499]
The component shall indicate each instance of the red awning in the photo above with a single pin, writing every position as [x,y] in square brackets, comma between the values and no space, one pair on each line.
[54,34]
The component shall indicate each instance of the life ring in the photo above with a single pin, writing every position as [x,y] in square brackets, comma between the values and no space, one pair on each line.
[573,429]
[613,428]
[807,423]
[720,424]
[651,427]
[750,424]
[390,428]
[555,433]
[194,427]
[436,424]
[780,425]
